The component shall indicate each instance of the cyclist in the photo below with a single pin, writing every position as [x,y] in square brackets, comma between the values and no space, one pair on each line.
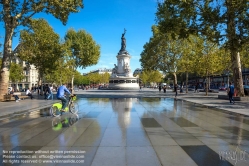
[61,96]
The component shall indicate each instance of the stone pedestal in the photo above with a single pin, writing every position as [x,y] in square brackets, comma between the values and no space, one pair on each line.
[122,77]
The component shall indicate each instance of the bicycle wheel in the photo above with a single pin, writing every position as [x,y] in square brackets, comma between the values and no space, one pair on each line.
[55,111]
[74,108]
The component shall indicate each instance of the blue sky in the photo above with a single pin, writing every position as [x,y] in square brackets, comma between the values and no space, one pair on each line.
[105,20]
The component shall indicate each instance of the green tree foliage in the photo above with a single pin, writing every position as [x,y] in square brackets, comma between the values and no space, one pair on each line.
[105,77]
[94,78]
[15,13]
[40,46]
[82,50]
[97,78]
[77,78]
[245,56]
[220,21]
[212,61]
[85,80]
[150,76]
[16,72]
[144,78]
[162,52]
[191,47]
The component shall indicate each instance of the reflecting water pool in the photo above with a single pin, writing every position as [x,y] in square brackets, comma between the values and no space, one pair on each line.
[127,131]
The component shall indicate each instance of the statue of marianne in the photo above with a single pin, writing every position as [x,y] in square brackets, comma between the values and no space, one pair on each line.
[123,41]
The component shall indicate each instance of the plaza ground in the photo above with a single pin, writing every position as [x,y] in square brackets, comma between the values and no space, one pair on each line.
[131,128]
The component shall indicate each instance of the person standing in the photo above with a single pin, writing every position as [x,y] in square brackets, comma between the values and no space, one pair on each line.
[230,92]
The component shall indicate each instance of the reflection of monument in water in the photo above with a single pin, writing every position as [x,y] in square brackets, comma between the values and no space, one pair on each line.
[121,77]
[122,106]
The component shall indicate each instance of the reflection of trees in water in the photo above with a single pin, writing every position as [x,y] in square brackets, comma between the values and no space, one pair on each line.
[100,101]
[151,101]
[175,105]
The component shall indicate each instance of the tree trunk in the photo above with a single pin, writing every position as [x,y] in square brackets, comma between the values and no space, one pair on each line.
[175,79]
[206,82]
[4,77]
[237,74]
[41,82]
[234,45]
[72,84]
[186,82]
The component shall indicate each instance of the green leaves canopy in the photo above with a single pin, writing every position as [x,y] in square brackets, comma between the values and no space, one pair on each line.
[220,21]
[81,48]
[16,72]
[40,46]
[148,76]
[15,13]
[22,11]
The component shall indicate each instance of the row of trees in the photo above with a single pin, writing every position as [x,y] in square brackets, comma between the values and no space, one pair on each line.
[57,77]
[150,76]
[15,13]
[79,79]
[201,36]
[57,59]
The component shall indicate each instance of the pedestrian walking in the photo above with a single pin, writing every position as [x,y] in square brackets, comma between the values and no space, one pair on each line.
[160,88]
[50,92]
[51,89]
[196,87]
[175,88]
[230,92]
[164,88]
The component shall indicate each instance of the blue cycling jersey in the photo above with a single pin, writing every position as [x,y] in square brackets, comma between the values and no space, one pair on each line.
[61,91]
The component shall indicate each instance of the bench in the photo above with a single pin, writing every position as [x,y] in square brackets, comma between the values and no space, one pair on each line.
[11,97]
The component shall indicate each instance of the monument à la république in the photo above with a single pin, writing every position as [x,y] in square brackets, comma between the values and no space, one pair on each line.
[122,77]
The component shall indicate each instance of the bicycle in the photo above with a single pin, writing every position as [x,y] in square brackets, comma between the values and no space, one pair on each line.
[58,123]
[72,107]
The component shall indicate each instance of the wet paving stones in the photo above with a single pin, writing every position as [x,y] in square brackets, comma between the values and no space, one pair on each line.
[133,132]
[204,156]
[183,122]
[150,122]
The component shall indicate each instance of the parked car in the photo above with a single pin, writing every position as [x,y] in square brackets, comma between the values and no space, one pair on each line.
[246,89]
[222,88]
